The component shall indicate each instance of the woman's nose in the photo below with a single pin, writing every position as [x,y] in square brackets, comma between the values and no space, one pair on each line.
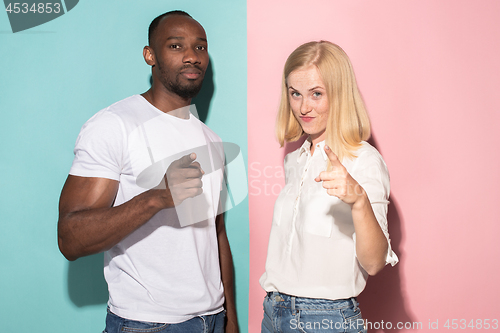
[305,107]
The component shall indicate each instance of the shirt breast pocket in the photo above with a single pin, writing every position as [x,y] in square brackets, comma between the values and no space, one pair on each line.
[318,214]
[328,217]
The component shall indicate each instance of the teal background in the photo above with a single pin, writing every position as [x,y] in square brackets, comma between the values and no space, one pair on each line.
[53,78]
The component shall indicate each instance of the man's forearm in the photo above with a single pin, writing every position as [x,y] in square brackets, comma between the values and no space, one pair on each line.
[227,275]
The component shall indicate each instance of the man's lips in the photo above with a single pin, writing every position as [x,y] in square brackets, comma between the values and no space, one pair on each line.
[191,73]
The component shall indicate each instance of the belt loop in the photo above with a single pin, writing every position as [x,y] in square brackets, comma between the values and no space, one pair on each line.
[354,303]
[293,304]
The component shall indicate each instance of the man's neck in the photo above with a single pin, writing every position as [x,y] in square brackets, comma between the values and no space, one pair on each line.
[168,103]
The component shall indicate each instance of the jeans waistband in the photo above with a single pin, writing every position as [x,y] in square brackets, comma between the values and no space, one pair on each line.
[308,303]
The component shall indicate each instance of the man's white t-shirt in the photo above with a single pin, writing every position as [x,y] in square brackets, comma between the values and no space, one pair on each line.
[168,269]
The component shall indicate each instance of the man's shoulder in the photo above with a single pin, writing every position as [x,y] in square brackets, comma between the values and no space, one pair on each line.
[131,109]
[126,107]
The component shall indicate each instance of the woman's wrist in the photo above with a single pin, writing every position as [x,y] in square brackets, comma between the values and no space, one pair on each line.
[362,201]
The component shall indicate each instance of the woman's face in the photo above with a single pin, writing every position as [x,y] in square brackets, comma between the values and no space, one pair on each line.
[308,101]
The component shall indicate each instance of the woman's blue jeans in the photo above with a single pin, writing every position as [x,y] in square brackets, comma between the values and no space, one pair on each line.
[284,313]
[201,324]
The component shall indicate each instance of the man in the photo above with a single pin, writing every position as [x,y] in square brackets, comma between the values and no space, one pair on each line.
[166,270]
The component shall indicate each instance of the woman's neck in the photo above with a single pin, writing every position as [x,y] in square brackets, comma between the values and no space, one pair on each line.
[315,141]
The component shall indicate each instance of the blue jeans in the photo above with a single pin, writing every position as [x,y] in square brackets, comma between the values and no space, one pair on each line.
[202,324]
[284,313]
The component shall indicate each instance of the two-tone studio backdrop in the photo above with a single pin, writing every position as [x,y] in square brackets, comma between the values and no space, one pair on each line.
[428,72]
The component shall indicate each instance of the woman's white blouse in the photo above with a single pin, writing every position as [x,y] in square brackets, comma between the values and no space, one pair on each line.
[311,249]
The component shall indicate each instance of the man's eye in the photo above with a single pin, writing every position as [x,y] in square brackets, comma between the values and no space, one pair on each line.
[202,48]
[175,46]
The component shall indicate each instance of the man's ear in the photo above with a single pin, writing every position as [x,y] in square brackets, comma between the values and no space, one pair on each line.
[149,55]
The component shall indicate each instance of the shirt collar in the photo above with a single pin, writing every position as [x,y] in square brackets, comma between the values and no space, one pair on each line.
[306,148]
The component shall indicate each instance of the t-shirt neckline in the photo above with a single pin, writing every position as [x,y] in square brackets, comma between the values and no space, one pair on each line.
[164,113]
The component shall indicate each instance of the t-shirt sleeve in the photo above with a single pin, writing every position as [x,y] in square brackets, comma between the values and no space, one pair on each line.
[373,176]
[99,148]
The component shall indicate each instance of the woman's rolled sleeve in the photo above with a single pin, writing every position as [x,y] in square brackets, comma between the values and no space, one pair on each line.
[373,176]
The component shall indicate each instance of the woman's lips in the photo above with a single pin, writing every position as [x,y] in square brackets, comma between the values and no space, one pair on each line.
[307,119]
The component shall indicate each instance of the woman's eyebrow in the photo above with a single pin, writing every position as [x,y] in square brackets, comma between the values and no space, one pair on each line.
[317,87]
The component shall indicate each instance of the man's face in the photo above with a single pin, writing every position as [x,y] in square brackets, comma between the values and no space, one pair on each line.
[181,55]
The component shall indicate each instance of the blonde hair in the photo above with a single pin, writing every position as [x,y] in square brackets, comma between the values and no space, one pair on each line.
[348,123]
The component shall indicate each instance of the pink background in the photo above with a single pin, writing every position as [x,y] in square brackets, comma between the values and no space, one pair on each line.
[429,72]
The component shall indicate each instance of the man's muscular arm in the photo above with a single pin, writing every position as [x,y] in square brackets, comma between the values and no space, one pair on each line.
[89,224]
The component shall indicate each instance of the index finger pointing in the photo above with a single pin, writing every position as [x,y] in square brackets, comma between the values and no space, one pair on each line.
[332,157]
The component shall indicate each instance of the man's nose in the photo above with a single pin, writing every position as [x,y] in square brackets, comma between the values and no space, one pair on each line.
[191,56]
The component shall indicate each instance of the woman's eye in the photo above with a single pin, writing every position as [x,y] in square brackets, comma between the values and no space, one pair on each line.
[317,94]
[295,94]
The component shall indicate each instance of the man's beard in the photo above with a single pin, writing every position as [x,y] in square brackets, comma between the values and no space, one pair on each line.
[187,91]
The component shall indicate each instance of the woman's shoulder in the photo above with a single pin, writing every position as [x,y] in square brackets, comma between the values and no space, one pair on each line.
[366,150]
[292,156]
[369,157]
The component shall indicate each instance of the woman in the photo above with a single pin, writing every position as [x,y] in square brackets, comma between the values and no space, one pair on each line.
[329,227]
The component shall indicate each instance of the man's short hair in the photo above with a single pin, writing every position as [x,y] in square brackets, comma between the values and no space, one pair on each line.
[154,24]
